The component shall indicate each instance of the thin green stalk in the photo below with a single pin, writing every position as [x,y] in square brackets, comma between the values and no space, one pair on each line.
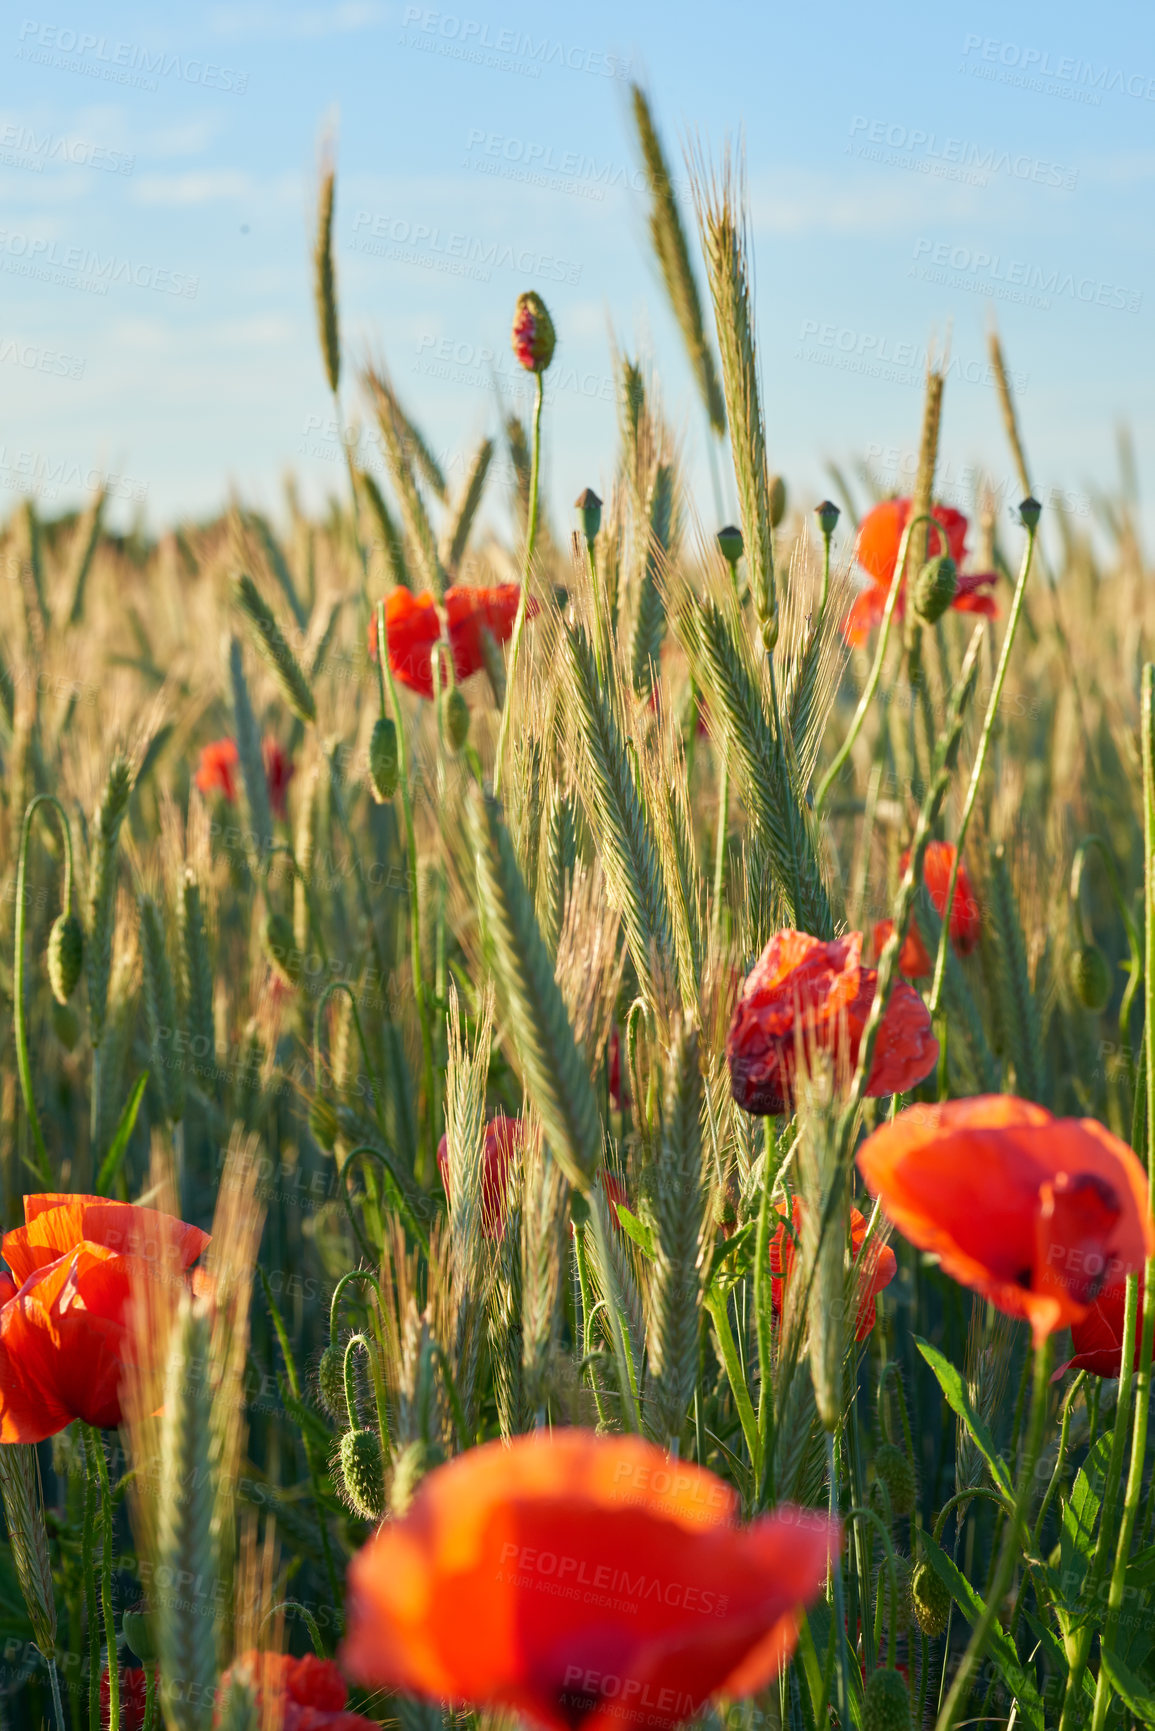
[839,1607]
[1060,1458]
[716,1304]
[762,1314]
[98,1467]
[523,598]
[88,1568]
[149,1698]
[23,1063]
[57,1703]
[1008,1556]
[587,1317]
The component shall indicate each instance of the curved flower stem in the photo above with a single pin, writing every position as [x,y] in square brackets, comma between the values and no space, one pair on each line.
[979,765]
[23,1063]
[523,598]
[1010,1547]
[98,1468]
[967,1496]
[871,687]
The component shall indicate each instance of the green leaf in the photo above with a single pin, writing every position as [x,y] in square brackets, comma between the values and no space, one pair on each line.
[1078,1528]
[1136,1692]
[113,1160]
[636,1229]
[959,1401]
[1000,1647]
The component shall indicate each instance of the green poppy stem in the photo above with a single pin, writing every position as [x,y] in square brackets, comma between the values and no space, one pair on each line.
[523,598]
[98,1469]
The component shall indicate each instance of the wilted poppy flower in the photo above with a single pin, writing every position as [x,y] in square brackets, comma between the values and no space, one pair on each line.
[1037,1213]
[966,918]
[877,1271]
[913,960]
[133,1698]
[1098,1337]
[879,536]
[217,771]
[64,1337]
[306,1694]
[586,1581]
[502,1140]
[278,773]
[804,993]
[413,626]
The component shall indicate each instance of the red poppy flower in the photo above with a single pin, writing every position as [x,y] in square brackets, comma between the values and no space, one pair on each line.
[278,773]
[133,1698]
[413,626]
[1037,1213]
[877,1271]
[879,536]
[966,917]
[803,992]
[502,1140]
[584,1580]
[64,1339]
[306,1694]
[1098,1337]
[913,960]
[217,772]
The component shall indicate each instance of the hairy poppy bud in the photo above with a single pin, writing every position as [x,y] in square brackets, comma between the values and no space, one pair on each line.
[590,507]
[935,588]
[828,515]
[323,1121]
[137,1626]
[456,715]
[280,947]
[412,1465]
[1090,975]
[1030,511]
[533,333]
[383,761]
[730,541]
[895,1470]
[331,1383]
[361,1471]
[931,1600]
[66,1023]
[777,500]
[886,1703]
[65,956]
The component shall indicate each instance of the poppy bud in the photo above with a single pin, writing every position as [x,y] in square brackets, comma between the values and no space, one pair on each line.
[886,1703]
[323,1121]
[828,515]
[412,1465]
[931,1600]
[1030,511]
[137,1627]
[331,1383]
[777,500]
[361,1471]
[65,956]
[280,947]
[455,712]
[383,762]
[730,541]
[1090,975]
[895,1470]
[66,1023]
[533,333]
[590,507]
[935,588]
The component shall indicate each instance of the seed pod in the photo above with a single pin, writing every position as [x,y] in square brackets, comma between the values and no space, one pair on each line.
[828,515]
[777,500]
[533,333]
[137,1626]
[1090,975]
[935,588]
[66,1023]
[930,1599]
[383,760]
[323,1121]
[730,541]
[361,1471]
[331,1384]
[65,956]
[456,716]
[886,1703]
[590,507]
[1030,511]
[280,947]
[895,1470]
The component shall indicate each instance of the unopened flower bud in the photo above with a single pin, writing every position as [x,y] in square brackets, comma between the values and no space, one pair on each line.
[730,541]
[886,1702]
[1030,511]
[137,1627]
[931,1600]
[331,1384]
[590,507]
[65,956]
[455,711]
[361,1472]
[533,333]
[383,760]
[777,500]
[935,588]
[828,515]
[895,1470]
[280,947]
[1090,975]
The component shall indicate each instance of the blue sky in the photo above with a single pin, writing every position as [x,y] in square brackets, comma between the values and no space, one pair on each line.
[910,168]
